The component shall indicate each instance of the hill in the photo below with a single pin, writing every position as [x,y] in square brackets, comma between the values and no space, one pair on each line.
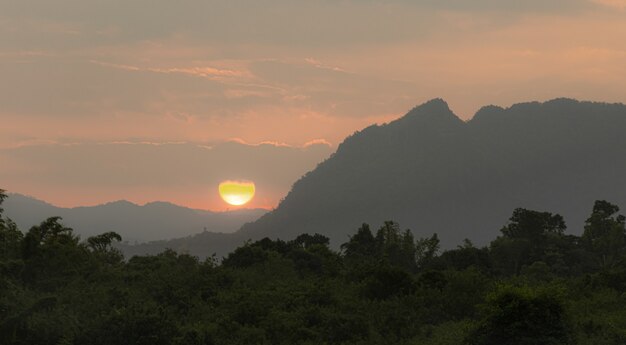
[152,221]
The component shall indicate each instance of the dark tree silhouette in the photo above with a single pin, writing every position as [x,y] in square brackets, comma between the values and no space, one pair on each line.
[605,234]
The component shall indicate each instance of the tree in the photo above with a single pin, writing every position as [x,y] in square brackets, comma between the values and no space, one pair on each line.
[361,253]
[52,254]
[508,255]
[10,235]
[522,316]
[533,225]
[605,234]
[10,240]
[388,281]
[246,256]
[396,246]
[407,251]
[465,256]
[3,196]
[305,240]
[360,245]
[103,242]
[388,234]
[528,237]
[49,232]
[426,250]
[102,245]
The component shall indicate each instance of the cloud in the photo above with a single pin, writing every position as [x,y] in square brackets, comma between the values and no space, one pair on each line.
[199,71]
[266,142]
[317,142]
[193,71]
[319,64]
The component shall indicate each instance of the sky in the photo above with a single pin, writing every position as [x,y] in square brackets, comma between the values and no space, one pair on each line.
[146,100]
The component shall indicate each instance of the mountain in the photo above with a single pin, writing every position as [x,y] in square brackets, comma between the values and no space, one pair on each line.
[432,172]
[152,221]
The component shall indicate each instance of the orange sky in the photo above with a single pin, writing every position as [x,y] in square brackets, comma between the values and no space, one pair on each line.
[81,77]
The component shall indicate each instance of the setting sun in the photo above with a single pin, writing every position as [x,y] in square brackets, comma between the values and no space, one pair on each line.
[236,193]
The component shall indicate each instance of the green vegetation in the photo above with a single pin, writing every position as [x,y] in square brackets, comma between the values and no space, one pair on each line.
[534,284]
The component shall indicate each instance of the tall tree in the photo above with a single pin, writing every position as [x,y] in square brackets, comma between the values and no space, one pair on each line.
[526,238]
[397,247]
[426,249]
[3,196]
[52,253]
[605,234]
[362,244]
[10,236]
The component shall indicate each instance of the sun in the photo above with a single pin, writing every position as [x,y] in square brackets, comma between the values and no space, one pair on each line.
[236,193]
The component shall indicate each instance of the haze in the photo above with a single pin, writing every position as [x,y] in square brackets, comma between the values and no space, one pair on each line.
[103,100]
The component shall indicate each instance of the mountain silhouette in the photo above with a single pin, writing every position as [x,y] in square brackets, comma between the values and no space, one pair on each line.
[432,172]
[152,221]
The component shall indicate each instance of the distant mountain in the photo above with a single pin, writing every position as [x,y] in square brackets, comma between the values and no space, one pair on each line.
[153,221]
[432,172]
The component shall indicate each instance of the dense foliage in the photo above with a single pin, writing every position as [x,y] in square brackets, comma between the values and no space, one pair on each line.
[534,284]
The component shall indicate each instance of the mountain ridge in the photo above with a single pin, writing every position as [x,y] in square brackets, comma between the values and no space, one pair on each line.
[524,138]
[157,220]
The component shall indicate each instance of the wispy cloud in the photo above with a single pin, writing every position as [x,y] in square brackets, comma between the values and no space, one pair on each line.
[116,65]
[317,142]
[128,142]
[204,72]
[280,144]
[319,64]
[199,71]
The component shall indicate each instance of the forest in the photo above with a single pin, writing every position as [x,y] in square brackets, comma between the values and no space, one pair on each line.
[533,284]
